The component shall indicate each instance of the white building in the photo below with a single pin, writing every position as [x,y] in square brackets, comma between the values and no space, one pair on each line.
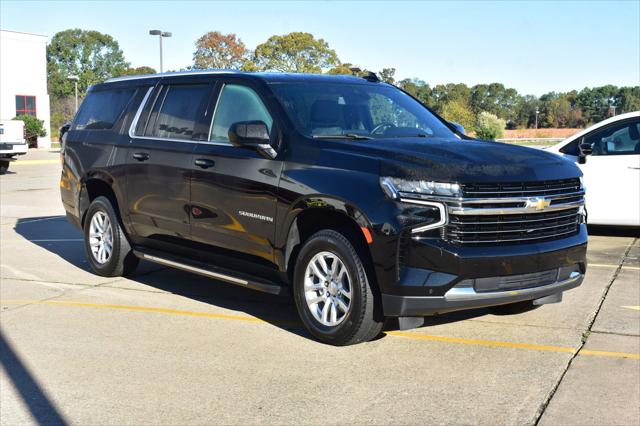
[23,78]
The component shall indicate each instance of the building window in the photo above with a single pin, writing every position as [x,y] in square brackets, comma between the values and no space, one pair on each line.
[25,105]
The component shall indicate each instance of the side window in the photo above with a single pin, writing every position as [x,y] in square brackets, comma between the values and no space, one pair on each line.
[101,110]
[237,103]
[571,148]
[618,139]
[178,112]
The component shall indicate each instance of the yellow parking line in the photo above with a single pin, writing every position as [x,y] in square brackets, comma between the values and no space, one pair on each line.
[34,162]
[635,308]
[604,265]
[408,335]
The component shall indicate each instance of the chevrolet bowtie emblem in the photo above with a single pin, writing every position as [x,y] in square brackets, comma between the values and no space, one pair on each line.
[538,203]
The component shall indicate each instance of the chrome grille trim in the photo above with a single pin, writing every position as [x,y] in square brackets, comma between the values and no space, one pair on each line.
[513,212]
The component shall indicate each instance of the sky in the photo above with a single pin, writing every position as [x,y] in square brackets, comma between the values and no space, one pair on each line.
[533,46]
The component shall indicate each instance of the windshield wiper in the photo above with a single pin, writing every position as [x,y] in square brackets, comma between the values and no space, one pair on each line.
[351,136]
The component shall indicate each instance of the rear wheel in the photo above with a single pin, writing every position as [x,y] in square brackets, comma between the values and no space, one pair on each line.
[332,291]
[4,166]
[106,245]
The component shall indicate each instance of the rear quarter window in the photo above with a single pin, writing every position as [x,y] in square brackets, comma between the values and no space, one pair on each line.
[101,110]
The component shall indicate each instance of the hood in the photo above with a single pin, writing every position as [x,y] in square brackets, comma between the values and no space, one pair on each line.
[463,161]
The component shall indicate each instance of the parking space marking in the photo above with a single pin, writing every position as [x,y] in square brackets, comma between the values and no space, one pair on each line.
[403,334]
[34,162]
[604,265]
[635,308]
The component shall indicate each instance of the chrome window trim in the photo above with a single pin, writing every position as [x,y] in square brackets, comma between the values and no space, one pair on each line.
[444,218]
[213,119]
[136,118]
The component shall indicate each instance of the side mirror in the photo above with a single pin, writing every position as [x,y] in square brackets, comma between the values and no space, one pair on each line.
[252,134]
[585,149]
[459,127]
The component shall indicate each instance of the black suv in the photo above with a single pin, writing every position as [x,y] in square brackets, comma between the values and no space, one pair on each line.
[344,191]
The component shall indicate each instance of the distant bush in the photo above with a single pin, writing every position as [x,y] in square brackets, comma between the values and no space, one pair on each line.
[32,129]
[489,126]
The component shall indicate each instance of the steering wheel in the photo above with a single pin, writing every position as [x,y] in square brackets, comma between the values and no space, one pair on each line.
[382,126]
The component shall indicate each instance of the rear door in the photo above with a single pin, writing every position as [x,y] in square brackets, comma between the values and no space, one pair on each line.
[234,189]
[163,138]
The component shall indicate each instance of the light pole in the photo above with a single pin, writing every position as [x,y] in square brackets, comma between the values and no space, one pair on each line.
[75,79]
[612,106]
[160,34]
[537,112]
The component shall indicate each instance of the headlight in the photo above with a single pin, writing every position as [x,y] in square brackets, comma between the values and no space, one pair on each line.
[394,186]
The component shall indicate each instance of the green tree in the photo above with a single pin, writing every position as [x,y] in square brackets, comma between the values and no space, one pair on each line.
[217,50]
[489,126]
[140,70]
[33,128]
[387,75]
[295,52]
[345,69]
[459,112]
[628,99]
[92,56]
[419,90]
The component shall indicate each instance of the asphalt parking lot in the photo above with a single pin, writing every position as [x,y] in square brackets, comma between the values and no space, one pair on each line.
[169,347]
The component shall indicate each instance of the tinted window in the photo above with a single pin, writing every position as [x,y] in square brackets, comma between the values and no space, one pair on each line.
[237,103]
[375,110]
[101,110]
[180,112]
[617,139]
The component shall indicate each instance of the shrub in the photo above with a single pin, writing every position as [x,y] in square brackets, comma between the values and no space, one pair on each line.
[489,126]
[32,129]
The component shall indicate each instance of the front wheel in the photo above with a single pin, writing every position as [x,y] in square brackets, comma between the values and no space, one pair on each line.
[332,292]
[106,245]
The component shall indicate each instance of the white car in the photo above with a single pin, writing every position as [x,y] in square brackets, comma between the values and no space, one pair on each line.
[12,142]
[609,155]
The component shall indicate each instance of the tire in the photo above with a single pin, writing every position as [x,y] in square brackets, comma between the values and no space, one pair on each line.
[514,308]
[4,166]
[359,322]
[120,260]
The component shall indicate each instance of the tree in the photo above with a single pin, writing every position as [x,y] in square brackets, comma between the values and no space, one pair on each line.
[140,70]
[387,75]
[217,50]
[32,129]
[295,52]
[458,111]
[344,69]
[92,56]
[489,126]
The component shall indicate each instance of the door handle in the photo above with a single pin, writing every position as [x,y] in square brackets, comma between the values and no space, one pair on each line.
[141,156]
[204,163]
[634,168]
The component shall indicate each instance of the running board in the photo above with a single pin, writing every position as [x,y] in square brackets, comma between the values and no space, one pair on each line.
[214,272]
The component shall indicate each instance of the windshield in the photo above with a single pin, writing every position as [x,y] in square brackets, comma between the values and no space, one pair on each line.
[357,111]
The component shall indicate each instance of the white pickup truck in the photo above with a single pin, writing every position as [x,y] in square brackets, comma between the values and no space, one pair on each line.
[12,142]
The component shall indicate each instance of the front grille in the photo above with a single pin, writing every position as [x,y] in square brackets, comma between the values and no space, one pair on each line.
[512,228]
[515,213]
[521,189]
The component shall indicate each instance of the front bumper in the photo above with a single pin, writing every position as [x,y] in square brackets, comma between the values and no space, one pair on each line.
[435,277]
[467,298]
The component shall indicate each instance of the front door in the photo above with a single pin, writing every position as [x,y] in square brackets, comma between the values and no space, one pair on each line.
[234,190]
[612,174]
[160,158]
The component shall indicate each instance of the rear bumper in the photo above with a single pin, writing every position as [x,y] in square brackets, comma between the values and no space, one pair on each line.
[13,149]
[467,298]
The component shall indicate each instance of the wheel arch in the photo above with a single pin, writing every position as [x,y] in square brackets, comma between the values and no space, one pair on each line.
[95,185]
[310,215]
